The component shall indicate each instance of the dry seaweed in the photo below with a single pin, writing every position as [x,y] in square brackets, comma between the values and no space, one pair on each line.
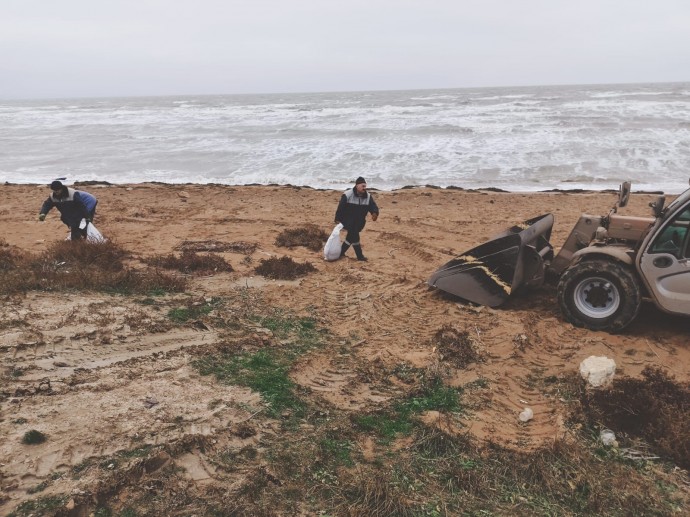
[283,268]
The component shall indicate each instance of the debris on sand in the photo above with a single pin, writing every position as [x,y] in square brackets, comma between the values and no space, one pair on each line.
[310,236]
[245,248]
[458,347]
[283,268]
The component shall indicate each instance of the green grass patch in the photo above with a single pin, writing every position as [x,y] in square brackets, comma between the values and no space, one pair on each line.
[80,468]
[302,333]
[338,451]
[265,372]
[184,314]
[40,506]
[284,326]
[400,420]
[39,488]
[193,310]
[139,452]
[433,397]
[109,464]
[386,425]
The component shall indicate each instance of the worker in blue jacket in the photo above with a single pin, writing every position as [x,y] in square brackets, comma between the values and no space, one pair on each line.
[73,205]
[352,211]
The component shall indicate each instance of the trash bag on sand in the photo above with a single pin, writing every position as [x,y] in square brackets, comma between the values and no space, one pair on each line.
[331,251]
[92,233]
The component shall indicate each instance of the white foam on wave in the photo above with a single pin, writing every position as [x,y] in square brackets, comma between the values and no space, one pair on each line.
[531,140]
[614,94]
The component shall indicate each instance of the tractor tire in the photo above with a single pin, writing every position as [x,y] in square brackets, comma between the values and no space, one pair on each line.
[599,294]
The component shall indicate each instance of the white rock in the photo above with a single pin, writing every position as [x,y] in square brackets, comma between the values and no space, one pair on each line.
[526,415]
[598,371]
[608,438]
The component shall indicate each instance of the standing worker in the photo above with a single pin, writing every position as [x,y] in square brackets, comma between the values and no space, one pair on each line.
[73,205]
[352,212]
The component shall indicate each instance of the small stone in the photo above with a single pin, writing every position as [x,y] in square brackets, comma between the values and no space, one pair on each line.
[183,194]
[526,415]
[598,370]
[608,438]
[149,402]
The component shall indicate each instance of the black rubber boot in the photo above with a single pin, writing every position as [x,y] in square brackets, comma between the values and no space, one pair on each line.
[358,252]
[344,248]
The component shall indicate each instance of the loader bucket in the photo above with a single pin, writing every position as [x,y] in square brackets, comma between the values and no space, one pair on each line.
[491,272]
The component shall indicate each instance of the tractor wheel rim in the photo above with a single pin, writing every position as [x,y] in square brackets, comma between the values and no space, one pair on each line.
[596,297]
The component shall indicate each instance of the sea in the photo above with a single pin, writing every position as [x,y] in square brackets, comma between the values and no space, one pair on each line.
[518,139]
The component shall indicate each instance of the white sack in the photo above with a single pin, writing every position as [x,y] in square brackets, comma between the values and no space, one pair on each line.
[331,250]
[92,233]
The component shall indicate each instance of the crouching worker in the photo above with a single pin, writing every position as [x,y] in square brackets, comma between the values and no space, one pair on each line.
[73,205]
[352,211]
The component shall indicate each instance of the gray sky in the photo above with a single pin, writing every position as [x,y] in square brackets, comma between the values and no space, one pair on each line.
[73,48]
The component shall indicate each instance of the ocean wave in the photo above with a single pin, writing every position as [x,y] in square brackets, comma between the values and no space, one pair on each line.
[511,139]
[442,129]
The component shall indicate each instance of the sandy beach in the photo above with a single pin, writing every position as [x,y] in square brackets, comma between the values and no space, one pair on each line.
[101,367]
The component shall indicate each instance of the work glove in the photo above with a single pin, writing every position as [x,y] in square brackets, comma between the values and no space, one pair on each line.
[41,217]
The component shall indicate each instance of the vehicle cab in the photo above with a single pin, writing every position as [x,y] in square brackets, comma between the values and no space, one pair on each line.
[664,258]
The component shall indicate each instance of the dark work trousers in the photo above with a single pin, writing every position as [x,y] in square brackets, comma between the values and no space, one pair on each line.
[353,239]
[77,233]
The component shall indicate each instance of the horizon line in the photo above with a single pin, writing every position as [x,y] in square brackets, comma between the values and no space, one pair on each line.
[276,93]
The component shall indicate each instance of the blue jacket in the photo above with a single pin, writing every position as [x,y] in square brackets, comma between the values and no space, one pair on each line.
[75,207]
[352,210]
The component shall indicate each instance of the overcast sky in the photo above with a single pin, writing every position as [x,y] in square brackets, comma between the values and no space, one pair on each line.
[75,48]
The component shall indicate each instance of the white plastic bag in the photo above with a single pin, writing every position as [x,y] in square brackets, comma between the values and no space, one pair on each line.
[92,233]
[331,251]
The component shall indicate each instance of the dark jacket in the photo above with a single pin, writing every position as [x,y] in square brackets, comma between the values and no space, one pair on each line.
[352,210]
[75,207]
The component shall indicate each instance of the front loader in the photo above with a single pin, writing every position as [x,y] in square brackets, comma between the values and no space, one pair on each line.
[605,269]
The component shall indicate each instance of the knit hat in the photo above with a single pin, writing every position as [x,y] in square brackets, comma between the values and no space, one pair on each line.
[56,185]
[360,180]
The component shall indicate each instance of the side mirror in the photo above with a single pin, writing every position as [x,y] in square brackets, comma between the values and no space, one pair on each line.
[624,194]
[658,206]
